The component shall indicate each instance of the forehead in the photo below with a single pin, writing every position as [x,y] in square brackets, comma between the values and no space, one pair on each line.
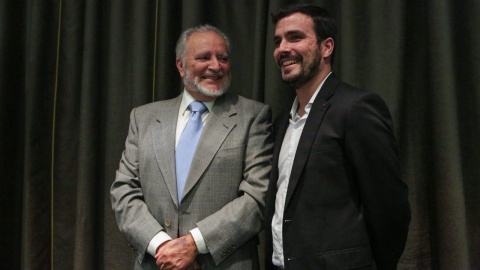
[207,41]
[293,23]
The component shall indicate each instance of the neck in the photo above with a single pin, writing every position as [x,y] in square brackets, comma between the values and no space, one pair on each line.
[199,96]
[306,91]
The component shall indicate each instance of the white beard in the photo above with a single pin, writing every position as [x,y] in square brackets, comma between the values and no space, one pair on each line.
[193,85]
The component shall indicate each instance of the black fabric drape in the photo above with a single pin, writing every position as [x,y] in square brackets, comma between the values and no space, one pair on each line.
[12,138]
[71,71]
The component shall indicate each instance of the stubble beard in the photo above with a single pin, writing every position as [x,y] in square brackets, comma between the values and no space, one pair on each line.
[305,74]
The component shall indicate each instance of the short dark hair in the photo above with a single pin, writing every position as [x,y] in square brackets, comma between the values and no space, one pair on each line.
[324,25]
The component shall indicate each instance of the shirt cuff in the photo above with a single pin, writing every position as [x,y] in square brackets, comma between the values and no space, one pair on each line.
[199,241]
[156,241]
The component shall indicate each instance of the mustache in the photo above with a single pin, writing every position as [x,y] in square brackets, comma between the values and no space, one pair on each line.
[288,55]
[213,73]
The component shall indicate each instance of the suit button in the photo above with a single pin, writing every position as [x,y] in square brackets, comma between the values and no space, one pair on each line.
[168,222]
[133,249]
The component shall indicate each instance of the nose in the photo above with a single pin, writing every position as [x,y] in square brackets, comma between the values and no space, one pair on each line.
[215,64]
[284,46]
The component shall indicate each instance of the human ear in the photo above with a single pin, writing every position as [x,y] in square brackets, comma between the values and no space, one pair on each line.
[180,67]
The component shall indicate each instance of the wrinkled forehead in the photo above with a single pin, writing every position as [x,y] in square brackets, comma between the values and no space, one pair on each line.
[206,42]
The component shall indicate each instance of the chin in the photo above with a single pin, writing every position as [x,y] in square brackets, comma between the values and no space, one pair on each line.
[291,78]
[211,92]
[217,91]
[211,88]
[290,75]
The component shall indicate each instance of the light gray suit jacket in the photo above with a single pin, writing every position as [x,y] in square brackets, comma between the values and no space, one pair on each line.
[224,195]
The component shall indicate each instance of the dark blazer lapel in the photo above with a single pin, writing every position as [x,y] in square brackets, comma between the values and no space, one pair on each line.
[280,128]
[220,123]
[163,135]
[310,130]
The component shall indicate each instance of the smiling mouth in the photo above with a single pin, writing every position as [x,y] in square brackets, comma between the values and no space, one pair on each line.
[211,77]
[289,62]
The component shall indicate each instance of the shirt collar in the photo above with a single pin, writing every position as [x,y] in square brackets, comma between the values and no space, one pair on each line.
[187,99]
[293,111]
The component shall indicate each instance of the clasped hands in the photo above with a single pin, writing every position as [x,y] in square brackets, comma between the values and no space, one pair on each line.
[179,254]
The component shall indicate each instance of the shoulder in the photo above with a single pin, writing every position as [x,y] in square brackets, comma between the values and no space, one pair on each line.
[246,105]
[360,106]
[349,95]
[145,115]
[335,85]
[351,92]
[156,107]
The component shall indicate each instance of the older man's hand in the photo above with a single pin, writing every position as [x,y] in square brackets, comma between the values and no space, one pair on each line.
[178,254]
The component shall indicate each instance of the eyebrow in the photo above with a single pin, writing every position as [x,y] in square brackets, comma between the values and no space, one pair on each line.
[209,54]
[289,33]
[200,54]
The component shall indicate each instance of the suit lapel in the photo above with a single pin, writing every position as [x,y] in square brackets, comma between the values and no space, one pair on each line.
[219,124]
[281,126]
[163,135]
[310,130]
[279,130]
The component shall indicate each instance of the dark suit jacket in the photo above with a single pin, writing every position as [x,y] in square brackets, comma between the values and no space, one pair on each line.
[346,206]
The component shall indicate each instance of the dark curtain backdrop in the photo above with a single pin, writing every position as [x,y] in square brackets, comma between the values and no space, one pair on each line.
[71,71]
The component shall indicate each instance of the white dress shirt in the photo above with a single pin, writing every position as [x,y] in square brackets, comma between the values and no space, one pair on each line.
[285,163]
[183,116]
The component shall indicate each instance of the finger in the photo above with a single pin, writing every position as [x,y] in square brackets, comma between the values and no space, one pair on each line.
[159,263]
[196,265]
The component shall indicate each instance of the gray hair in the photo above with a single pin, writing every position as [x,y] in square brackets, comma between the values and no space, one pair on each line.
[182,40]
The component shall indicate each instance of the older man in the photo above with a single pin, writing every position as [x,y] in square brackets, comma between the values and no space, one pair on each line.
[191,185]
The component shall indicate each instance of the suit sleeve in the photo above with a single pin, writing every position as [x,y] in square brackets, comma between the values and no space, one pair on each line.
[372,150]
[133,217]
[242,218]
